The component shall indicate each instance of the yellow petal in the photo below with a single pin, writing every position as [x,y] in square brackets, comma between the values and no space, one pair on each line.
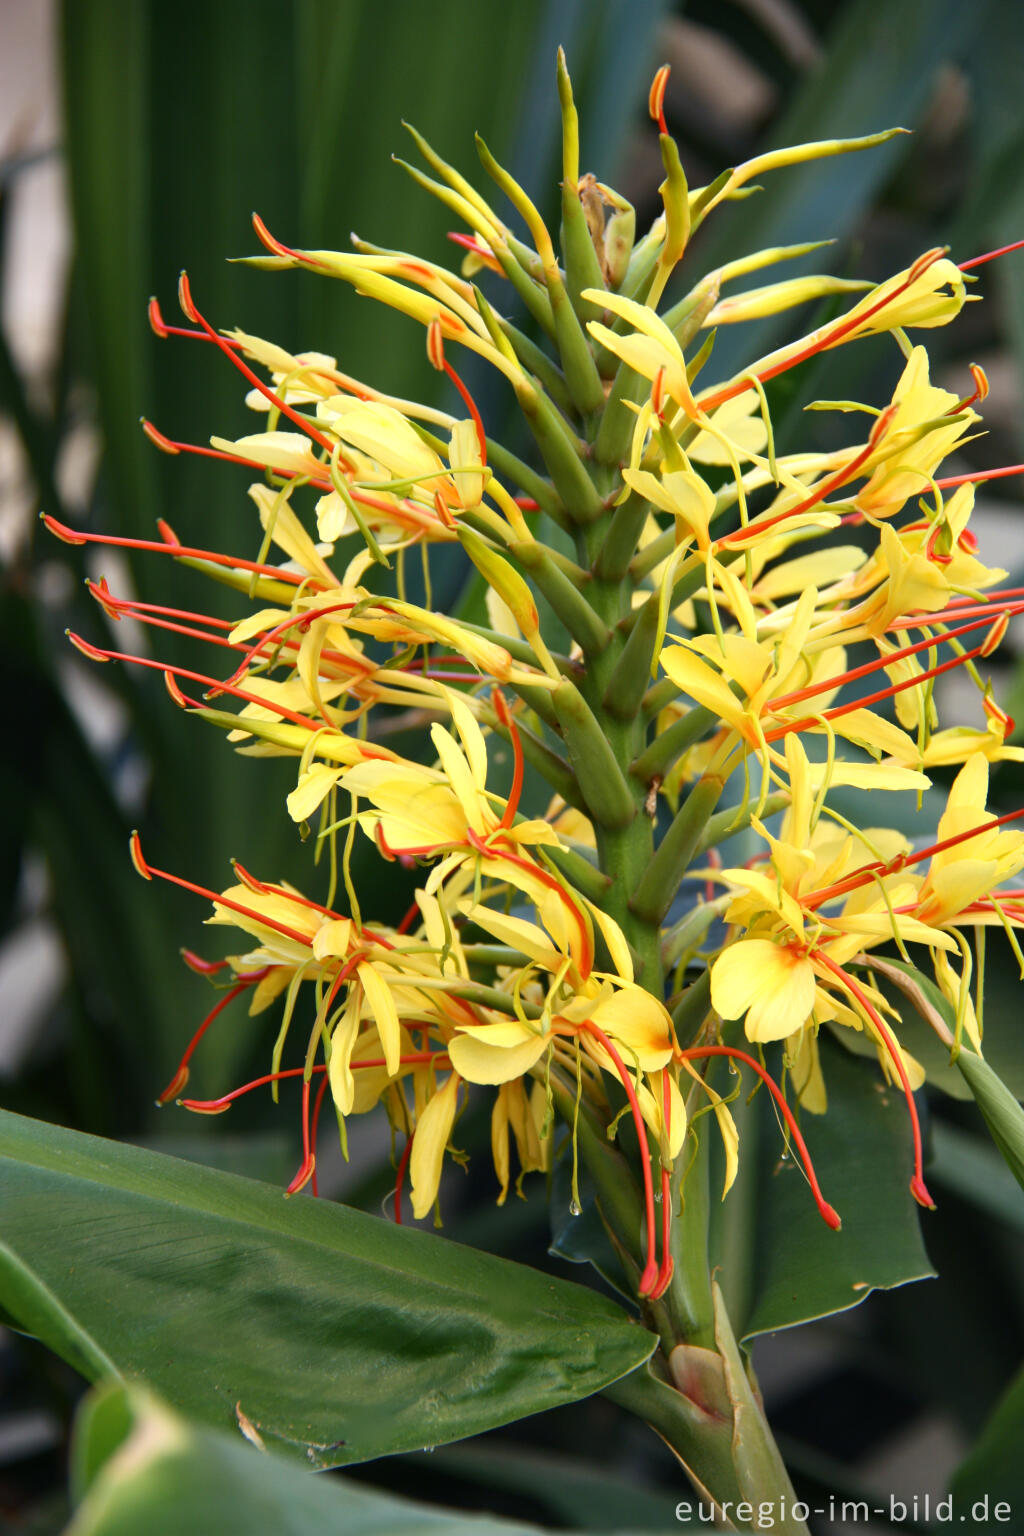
[385,1014]
[770,983]
[432,1132]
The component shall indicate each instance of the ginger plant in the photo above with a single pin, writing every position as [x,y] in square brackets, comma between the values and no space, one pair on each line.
[688,636]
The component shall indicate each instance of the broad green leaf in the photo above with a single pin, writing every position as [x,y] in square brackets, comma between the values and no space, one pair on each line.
[798,1267]
[146,1469]
[994,1468]
[342,1337]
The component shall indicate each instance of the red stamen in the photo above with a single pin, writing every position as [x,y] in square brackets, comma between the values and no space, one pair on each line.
[651,1272]
[180,1077]
[828,1214]
[211,683]
[868,872]
[324,1080]
[977,261]
[834,481]
[400,1177]
[917,1185]
[147,871]
[883,660]
[273,244]
[302,422]
[977,476]
[808,722]
[823,342]
[504,714]
[163,330]
[307,1168]
[179,551]
[667,1267]
[199,965]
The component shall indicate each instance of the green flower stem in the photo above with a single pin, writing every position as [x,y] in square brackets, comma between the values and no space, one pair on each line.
[631,678]
[560,451]
[565,596]
[625,528]
[654,895]
[537,361]
[594,760]
[663,751]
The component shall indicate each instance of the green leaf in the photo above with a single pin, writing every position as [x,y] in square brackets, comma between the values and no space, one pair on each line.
[798,1267]
[994,1469]
[342,1337]
[148,1470]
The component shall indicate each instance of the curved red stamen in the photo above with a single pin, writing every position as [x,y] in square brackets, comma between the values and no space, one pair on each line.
[213,685]
[180,1077]
[834,481]
[649,1277]
[148,871]
[507,719]
[179,551]
[667,1266]
[318,1105]
[828,1213]
[917,1185]
[200,966]
[400,1176]
[307,1168]
[302,422]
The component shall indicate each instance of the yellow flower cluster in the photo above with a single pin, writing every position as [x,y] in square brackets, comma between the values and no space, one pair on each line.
[679,615]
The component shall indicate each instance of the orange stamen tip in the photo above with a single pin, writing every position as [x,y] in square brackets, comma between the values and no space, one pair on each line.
[831,1216]
[443,511]
[664,1280]
[157,438]
[156,320]
[61,530]
[656,99]
[648,1280]
[303,1176]
[188,307]
[175,692]
[174,1087]
[92,651]
[658,392]
[435,345]
[920,1193]
[135,848]
[924,261]
[501,708]
[267,239]
[248,879]
[204,1106]
[994,639]
[102,593]
[165,530]
[980,378]
[199,965]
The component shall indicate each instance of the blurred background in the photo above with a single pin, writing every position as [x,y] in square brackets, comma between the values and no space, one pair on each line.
[136,136]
